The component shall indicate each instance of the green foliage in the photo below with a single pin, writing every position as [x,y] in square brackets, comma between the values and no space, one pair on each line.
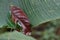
[14,36]
[5,20]
[50,34]
[9,21]
[40,11]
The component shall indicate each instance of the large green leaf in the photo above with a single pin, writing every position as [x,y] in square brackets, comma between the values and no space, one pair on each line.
[38,11]
[41,11]
[15,36]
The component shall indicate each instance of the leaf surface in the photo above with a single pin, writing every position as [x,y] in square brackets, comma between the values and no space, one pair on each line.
[38,11]
[15,36]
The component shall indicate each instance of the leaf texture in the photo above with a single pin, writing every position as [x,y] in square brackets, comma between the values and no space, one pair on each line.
[41,11]
[38,11]
[15,36]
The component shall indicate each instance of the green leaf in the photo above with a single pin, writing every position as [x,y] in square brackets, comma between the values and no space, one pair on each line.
[9,21]
[41,11]
[14,36]
[38,11]
[3,12]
